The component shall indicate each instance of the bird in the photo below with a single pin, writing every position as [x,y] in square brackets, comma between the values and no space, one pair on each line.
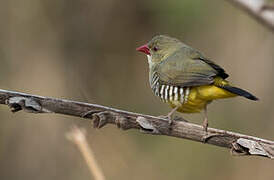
[185,79]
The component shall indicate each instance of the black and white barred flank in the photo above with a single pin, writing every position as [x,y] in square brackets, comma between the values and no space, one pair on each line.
[169,93]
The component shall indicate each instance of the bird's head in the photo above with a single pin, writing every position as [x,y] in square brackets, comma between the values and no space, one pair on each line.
[159,48]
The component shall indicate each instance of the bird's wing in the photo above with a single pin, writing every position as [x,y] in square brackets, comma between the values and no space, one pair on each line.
[187,67]
[219,69]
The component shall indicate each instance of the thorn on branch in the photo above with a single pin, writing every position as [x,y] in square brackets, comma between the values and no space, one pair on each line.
[122,122]
[209,135]
[249,147]
[239,150]
[102,118]
[252,147]
[27,104]
[99,118]
[146,126]
[14,107]
[89,114]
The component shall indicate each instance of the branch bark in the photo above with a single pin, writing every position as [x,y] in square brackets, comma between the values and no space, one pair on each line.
[239,144]
[258,9]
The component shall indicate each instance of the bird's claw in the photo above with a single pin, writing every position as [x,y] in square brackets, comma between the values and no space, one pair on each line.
[170,121]
[205,138]
[177,118]
[169,118]
[205,127]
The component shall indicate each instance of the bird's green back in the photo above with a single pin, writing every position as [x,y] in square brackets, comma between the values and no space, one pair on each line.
[185,67]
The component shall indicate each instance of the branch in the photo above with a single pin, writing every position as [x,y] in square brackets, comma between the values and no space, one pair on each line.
[239,144]
[257,9]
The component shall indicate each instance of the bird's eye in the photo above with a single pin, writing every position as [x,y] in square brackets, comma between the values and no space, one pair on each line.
[155,48]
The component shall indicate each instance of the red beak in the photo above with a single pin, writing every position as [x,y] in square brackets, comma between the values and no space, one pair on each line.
[143,49]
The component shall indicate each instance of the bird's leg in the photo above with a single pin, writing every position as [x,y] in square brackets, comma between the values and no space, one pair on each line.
[205,123]
[169,115]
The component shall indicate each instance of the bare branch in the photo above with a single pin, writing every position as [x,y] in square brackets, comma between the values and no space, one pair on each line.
[78,137]
[239,144]
[258,9]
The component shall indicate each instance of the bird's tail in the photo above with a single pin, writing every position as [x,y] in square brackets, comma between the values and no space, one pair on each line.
[221,83]
[239,92]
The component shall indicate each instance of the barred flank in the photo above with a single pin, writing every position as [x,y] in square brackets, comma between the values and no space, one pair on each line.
[169,93]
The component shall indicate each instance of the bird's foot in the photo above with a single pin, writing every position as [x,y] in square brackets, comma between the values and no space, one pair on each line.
[168,117]
[205,125]
[205,137]
[178,118]
[171,120]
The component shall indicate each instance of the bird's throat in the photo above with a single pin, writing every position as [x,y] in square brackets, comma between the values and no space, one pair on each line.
[150,63]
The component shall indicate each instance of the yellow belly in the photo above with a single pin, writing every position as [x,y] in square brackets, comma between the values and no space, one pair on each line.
[199,97]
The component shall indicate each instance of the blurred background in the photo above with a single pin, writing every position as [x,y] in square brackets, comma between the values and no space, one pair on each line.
[84,50]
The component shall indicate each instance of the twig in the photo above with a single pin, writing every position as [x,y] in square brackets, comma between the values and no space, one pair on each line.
[257,9]
[239,144]
[78,137]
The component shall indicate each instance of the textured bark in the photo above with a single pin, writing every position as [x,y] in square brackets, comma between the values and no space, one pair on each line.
[239,144]
[259,10]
